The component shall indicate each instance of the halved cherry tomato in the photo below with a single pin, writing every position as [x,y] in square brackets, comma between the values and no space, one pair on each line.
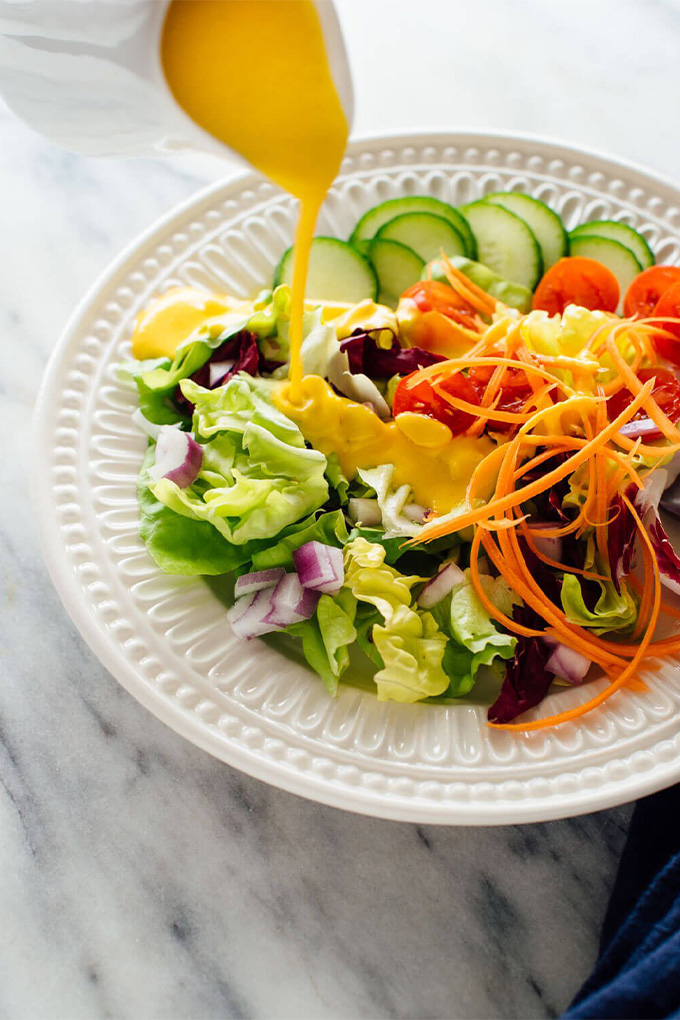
[644,292]
[577,281]
[433,296]
[422,399]
[666,392]
[513,393]
[669,305]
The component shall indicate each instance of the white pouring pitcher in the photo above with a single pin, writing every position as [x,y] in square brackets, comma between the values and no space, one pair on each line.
[87,74]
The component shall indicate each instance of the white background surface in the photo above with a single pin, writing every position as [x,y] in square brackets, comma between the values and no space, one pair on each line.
[139,878]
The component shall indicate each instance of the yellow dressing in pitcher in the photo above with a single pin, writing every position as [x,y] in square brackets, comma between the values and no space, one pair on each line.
[254,74]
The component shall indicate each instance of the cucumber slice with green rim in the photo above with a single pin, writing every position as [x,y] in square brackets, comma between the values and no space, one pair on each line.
[621,232]
[512,294]
[545,224]
[397,267]
[505,243]
[425,234]
[337,272]
[371,222]
[612,254]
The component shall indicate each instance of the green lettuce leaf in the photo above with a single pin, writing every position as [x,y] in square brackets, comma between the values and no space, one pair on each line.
[336,477]
[328,528]
[474,639]
[180,545]
[258,476]
[409,642]
[611,612]
[327,636]
[391,500]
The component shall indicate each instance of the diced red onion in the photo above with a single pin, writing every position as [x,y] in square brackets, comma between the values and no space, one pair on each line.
[218,369]
[290,602]
[566,663]
[365,511]
[642,428]
[257,580]
[548,545]
[320,567]
[178,457]
[248,615]
[439,586]
[414,512]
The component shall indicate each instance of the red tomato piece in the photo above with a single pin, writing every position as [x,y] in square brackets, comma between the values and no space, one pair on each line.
[514,391]
[422,399]
[644,292]
[669,305]
[666,392]
[577,281]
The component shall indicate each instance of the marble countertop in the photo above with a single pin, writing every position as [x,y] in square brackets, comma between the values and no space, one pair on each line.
[141,878]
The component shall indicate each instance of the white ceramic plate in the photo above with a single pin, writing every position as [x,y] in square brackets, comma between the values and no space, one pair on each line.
[166,639]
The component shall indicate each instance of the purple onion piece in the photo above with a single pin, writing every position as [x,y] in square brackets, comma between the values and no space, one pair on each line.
[248,615]
[642,428]
[548,545]
[439,586]
[320,567]
[567,664]
[290,602]
[257,580]
[178,457]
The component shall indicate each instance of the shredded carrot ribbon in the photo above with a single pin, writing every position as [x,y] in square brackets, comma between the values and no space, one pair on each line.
[560,421]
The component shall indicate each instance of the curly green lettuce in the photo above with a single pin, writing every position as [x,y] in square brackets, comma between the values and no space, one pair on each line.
[409,642]
[257,475]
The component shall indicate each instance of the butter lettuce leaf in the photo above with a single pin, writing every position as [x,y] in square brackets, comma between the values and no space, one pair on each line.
[180,545]
[328,528]
[257,476]
[474,640]
[327,636]
[408,642]
[612,611]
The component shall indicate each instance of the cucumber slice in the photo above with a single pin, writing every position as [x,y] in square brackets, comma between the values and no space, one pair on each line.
[426,234]
[611,254]
[546,225]
[397,266]
[620,232]
[505,243]
[512,294]
[371,222]
[337,272]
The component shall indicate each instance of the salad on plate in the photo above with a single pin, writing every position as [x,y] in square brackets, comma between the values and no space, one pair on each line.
[467,481]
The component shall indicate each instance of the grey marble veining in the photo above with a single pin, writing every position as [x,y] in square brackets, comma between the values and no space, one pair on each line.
[139,878]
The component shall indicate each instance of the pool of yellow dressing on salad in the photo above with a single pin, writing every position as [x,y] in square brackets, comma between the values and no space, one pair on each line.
[254,74]
[424,455]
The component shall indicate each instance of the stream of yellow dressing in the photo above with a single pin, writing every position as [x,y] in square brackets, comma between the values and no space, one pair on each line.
[254,74]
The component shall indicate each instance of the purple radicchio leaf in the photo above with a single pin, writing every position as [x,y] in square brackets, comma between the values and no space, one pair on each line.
[239,353]
[623,533]
[669,563]
[527,681]
[367,358]
[646,502]
[621,536]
